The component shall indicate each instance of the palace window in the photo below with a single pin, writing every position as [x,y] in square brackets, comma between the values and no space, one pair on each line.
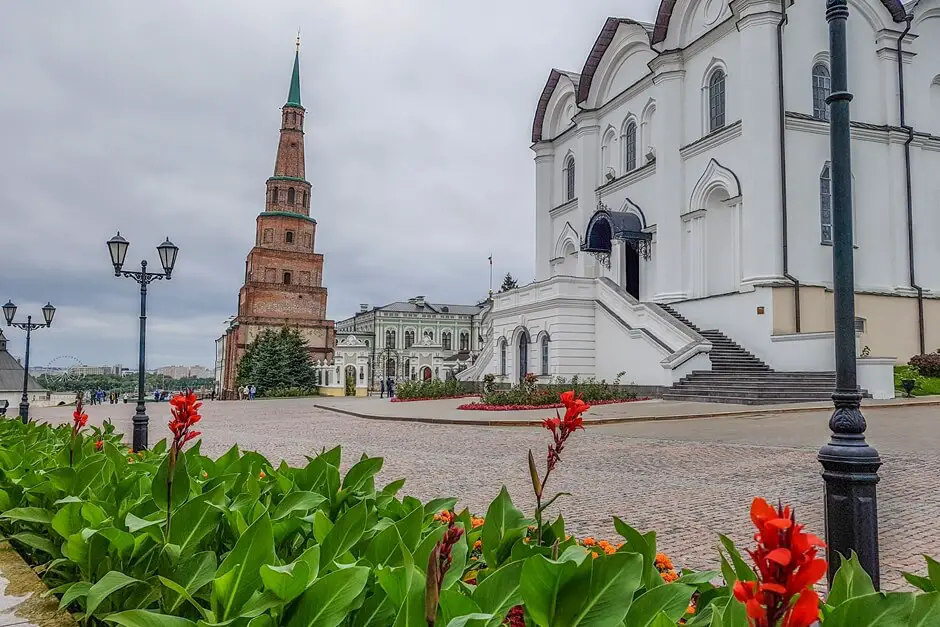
[274,195]
[290,195]
[544,348]
[408,368]
[569,178]
[287,278]
[825,205]
[822,87]
[629,149]
[464,341]
[390,339]
[716,100]
[445,340]
[289,237]
[409,338]
[502,357]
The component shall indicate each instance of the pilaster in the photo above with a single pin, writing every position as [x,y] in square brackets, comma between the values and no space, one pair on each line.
[544,183]
[587,167]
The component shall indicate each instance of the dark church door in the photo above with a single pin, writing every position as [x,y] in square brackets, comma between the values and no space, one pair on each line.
[523,356]
[632,267]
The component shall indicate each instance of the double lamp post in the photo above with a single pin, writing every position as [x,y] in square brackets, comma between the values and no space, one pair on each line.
[118,246]
[9,312]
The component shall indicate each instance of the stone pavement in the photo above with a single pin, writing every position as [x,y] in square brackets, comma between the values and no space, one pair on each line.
[687,479]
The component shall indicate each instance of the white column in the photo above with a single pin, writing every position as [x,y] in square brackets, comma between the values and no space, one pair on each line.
[544,183]
[752,96]
[667,138]
[587,171]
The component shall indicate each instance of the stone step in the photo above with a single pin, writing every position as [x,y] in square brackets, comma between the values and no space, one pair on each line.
[715,384]
[772,376]
[737,400]
[757,393]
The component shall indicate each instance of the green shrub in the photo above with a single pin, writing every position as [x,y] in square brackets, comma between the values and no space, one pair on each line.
[435,388]
[290,392]
[527,393]
[927,364]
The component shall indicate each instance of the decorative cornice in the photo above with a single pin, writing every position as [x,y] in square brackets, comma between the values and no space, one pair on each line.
[295,179]
[563,208]
[715,138]
[627,179]
[286,214]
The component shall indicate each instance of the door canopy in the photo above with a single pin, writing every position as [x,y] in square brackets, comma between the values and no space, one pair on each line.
[606,225]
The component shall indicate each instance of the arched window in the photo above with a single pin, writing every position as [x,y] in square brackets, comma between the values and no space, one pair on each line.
[303,197]
[569,178]
[409,339]
[629,148]
[407,364]
[290,196]
[445,340]
[825,205]
[390,339]
[390,364]
[289,237]
[287,278]
[716,100]
[464,341]
[274,195]
[502,357]
[822,87]
[544,355]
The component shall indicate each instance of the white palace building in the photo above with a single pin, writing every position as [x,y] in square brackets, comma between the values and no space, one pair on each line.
[684,209]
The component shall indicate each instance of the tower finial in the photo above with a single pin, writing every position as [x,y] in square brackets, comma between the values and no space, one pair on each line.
[298,39]
[293,96]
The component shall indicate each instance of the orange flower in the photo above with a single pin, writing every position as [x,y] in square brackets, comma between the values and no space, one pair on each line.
[669,576]
[261,475]
[476,522]
[663,562]
[205,475]
[594,554]
[588,541]
[478,545]
[130,460]
[445,517]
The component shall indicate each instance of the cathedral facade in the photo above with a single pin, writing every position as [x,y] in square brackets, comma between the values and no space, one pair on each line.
[683,188]
[283,273]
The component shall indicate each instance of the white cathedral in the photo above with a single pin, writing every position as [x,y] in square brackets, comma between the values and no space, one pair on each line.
[684,208]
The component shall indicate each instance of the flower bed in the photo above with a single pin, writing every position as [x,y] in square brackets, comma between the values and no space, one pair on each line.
[172,538]
[430,398]
[487,407]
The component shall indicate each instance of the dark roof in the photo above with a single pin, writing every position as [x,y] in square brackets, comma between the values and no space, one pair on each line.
[430,308]
[11,372]
[547,91]
[600,47]
[666,7]
[461,356]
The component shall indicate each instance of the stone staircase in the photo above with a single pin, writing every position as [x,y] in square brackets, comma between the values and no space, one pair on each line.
[739,377]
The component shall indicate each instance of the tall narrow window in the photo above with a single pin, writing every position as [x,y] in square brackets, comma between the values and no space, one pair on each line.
[303,199]
[289,237]
[445,340]
[544,355]
[825,205]
[716,100]
[290,195]
[464,341]
[409,338]
[390,339]
[569,178]
[274,195]
[629,148]
[822,87]
[502,357]
[287,278]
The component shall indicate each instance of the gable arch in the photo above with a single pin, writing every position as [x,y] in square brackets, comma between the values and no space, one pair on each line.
[715,177]
[568,236]
[568,82]
[603,42]
[631,207]
[923,16]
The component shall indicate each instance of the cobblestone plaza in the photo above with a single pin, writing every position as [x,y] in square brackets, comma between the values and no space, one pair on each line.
[687,479]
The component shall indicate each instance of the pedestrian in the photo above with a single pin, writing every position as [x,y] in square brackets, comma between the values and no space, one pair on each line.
[382,389]
[391,388]
[212,395]
[251,393]
[125,398]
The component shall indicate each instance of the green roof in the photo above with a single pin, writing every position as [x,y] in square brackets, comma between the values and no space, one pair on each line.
[293,97]
[287,214]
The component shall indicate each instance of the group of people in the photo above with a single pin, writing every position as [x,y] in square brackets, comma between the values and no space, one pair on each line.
[387,386]
[247,391]
[97,397]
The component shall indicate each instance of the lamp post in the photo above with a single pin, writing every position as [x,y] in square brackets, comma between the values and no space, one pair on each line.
[9,311]
[850,465]
[118,246]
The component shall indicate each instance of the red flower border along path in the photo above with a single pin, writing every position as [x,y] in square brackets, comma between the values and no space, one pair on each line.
[484,407]
[430,398]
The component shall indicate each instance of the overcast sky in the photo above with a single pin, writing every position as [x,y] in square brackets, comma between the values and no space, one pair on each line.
[161,119]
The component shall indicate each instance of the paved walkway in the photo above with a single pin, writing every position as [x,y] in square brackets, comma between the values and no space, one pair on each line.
[687,479]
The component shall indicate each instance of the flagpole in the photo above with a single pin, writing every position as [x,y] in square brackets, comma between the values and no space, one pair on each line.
[491,276]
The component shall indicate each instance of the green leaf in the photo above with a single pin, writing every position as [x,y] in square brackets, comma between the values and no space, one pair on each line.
[504,526]
[933,571]
[393,488]
[239,574]
[361,472]
[384,548]
[697,578]
[499,592]
[923,583]
[926,610]
[180,488]
[298,501]
[602,590]
[540,584]
[452,604]
[376,611]
[144,618]
[435,506]
[68,519]
[469,620]
[328,601]
[893,609]
[180,594]
[671,599]
[850,581]
[322,525]
[36,542]
[742,571]
[288,581]
[112,582]
[344,534]
[662,620]
[409,528]
[195,519]
[76,591]
[135,524]
[29,514]
[638,543]
[191,575]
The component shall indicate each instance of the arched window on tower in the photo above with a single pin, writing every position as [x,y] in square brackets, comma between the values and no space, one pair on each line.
[716,100]
[289,237]
[629,148]
[274,195]
[822,87]
[287,278]
[569,178]
[825,205]
[290,195]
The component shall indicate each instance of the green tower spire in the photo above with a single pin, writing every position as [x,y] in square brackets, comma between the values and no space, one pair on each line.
[293,97]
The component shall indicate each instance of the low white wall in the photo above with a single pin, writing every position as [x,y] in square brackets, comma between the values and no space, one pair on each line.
[813,352]
[617,351]
[876,374]
[736,316]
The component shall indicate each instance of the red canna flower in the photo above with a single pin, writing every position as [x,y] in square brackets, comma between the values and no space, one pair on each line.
[787,566]
[79,417]
[99,444]
[185,410]
[439,562]
[561,428]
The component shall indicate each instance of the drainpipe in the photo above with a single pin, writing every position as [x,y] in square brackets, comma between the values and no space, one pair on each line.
[783,166]
[910,202]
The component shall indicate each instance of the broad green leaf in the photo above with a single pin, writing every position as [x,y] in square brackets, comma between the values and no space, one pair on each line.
[239,573]
[288,581]
[458,555]
[453,604]
[144,618]
[121,541]
[76,591]
[322,525]
[471,620]
[893,609]
[29,514]
[504,526]
[926,610]
[601,593]
[383,548]
[933,571]
[68,519]
[423,552]
[409,528]
[170,498]
[361,472]
[499,592]
[540,584]
[180,594]
[662,620]
[639,543]
[412,611]
[435,506]
[393,488]
[195,519]
[344,534]
[671,599]
[923,583]
[192,574]
[376,611]
[850,581]
[696,578]
[298,501]
[327,602]
[741,569]
[112,582]
[36,542]
[135,524]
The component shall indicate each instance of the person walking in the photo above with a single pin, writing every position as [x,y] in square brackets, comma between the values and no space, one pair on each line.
[391,388]
[251,393]
[382,389]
